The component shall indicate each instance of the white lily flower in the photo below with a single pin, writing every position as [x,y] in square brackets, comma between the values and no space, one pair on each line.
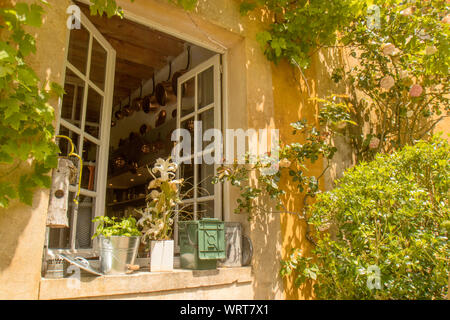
[166,168]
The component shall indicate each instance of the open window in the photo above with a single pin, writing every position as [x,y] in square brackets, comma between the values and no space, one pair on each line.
[128,87]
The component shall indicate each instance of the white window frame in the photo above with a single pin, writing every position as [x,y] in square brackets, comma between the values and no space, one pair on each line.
[214,62]
[104,134]
[223,55]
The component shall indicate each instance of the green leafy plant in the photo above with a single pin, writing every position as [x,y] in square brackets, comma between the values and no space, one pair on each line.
[300,28]
[26,128]
[398,87]
[111,8]
[392,213]
[157,217]
[109,227]
[293,161]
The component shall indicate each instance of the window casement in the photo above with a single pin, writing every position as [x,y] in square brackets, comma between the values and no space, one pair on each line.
[84,115]
[199,109]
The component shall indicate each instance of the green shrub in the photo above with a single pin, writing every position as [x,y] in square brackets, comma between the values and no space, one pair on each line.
[392,213]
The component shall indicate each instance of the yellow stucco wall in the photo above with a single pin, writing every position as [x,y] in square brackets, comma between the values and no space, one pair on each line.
[291,103]
[22,228]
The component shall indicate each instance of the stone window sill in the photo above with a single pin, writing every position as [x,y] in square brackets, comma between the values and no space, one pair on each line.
[140,283]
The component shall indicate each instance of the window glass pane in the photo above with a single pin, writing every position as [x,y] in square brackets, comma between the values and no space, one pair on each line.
[86,207]
[73,99]
[205,177]
[187,173]
[90,157]
[189,125]
[205,209]
[98,64]
[188,97]
[93,113]
[207,120]
[206,88]
[186,212]
[78,48]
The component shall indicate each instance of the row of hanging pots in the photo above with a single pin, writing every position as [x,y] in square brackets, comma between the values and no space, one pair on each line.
[121,162]
[162,94]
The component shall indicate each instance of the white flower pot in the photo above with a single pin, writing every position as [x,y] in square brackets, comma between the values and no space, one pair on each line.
[161,255]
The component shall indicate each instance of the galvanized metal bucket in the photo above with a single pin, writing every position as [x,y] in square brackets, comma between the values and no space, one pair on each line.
[116,253]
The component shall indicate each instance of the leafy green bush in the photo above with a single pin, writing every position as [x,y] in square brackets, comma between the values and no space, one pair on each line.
[111,227]
[392,213]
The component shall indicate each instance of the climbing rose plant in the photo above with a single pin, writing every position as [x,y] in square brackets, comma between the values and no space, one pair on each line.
[294,157]
[398,88]
[392,213]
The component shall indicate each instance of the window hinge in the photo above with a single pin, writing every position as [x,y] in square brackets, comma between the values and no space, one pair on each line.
[221,69]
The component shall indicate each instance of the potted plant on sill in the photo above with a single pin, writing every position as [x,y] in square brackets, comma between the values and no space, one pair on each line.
[158,215]
[118,244]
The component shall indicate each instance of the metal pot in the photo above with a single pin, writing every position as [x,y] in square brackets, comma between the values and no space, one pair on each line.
[119,162]
[150,104]
[146,148]
[132,136]
[117,253]
[119,114]
[138,103]
[128,110]
[164,91]
[144,129]
[161,118]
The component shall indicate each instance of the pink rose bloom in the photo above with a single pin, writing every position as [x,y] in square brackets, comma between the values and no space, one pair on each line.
[374,143]
[284,163]
[387,82]
[446,19]
[415,90]
[389,49]
[408,11]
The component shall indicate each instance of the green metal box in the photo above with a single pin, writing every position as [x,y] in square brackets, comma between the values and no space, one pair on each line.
[202,243]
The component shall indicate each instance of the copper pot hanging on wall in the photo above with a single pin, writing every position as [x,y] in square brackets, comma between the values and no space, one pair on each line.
[119,114]
[150,104]
[179,73]
[128,110]
[144,129]
[161,118]
[119,162]
[164,91]
[138,103]
[146,148]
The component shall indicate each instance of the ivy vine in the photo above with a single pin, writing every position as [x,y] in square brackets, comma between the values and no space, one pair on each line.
[26,129]
[299,28]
